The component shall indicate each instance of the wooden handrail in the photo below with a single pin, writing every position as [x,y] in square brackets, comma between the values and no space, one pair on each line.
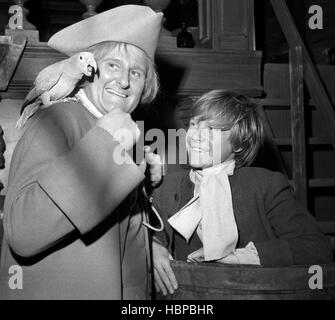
[10,54]
[311,75]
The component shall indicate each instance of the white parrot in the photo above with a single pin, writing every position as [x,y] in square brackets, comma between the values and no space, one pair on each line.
[56,82]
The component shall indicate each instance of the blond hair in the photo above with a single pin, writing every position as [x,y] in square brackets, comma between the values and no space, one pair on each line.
[228,110]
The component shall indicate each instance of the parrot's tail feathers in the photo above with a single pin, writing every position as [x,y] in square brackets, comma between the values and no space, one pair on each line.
[28,112]
[29,99]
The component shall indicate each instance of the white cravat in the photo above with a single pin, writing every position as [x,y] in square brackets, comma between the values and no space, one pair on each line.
[210,211]
[88,104]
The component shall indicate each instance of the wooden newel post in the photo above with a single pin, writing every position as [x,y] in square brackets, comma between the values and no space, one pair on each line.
[20,21]
[18,26]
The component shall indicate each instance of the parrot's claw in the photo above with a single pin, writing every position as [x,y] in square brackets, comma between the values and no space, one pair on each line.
[68,100]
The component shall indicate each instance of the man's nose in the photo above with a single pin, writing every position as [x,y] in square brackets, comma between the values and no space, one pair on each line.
[200,134]
[194,135]
[123,79]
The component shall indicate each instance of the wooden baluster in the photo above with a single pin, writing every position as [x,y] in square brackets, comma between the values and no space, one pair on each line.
[90,5]
[298,124]
[26,25]
[19,28]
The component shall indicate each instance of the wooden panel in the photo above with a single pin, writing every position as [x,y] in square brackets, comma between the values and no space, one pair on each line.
[182,71]
[277,86]
[233,17]
[209,69]
[233,24]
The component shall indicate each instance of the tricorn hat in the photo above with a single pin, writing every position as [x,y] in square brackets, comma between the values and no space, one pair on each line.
[133,24]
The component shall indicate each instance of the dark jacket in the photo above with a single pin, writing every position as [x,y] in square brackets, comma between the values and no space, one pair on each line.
[266,213]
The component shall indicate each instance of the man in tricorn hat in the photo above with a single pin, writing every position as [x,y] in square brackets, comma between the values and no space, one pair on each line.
[72,220]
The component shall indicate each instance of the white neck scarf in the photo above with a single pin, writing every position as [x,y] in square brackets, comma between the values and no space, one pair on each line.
[80,95]
[210,211]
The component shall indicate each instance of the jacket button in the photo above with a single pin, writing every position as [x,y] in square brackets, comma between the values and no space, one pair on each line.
[176,197]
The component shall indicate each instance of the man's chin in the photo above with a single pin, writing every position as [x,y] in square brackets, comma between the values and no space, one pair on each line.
[112,106]
[196,165]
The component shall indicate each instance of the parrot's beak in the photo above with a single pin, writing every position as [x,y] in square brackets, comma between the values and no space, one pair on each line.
[91,68]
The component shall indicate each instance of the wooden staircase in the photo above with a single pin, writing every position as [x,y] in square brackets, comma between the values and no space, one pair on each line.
[302,72]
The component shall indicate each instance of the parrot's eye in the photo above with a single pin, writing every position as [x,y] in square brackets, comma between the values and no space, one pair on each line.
[81,58]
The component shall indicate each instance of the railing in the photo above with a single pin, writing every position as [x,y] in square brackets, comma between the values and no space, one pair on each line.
[310,73]
[302,69]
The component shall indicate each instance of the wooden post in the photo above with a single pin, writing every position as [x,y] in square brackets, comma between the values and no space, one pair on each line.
[298,124]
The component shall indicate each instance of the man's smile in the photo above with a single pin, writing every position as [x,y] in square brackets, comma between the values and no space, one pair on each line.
[119,94]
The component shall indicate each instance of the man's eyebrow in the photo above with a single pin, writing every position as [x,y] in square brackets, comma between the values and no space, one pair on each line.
[113,59]
[134,66]
[138,67]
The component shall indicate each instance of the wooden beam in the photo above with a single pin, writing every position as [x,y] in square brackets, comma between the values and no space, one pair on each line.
[298,124]
[311,75]
[182,71]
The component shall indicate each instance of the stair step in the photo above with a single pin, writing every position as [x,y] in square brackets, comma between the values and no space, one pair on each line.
[321,182]
[272,102]
[327,227]
[318,182]
[311,141]
[278,102]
